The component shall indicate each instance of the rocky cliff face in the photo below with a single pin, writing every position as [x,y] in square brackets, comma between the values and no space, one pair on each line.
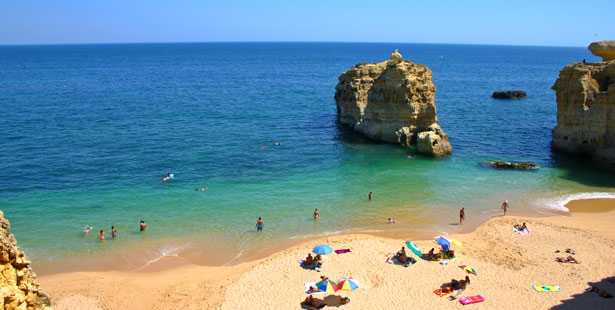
[19,287]
[392,101]
[586,111]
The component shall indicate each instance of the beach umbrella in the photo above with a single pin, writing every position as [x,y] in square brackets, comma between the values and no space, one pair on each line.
[414,248]
[348,284]
[322,249]
[444,243]
[468,269]
[456,242]
[327,286]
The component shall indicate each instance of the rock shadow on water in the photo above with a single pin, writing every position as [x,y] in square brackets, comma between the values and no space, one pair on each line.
[590,300]
[582,170]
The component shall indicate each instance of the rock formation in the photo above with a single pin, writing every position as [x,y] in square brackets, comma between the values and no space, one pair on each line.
[586,111]
[392,101]
[509,165]
[604,49]
[509,94]
[19,287]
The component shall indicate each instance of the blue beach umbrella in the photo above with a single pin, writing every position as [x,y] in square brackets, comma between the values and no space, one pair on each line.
[444,243]
[322,249]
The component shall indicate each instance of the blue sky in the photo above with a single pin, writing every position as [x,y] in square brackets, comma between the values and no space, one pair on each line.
[559,23]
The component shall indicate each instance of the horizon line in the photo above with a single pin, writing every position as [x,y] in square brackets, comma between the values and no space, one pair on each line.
[213,42]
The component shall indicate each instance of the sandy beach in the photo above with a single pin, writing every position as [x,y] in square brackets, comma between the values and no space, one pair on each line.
[507,266]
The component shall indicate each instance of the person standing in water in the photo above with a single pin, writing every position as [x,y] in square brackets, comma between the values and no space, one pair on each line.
[142,225]
[462,215]
[370,196]
[101,236]
[505,206]
[316,214]
[259,224]
[113,232]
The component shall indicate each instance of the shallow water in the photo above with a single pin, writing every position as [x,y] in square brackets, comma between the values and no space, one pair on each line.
[89,130]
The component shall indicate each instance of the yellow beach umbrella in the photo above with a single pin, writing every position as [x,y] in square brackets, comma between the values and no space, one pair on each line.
[456,242]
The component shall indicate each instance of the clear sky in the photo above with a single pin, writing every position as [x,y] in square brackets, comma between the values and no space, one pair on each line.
[560,23]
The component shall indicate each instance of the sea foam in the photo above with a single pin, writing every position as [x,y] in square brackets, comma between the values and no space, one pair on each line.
[559,203]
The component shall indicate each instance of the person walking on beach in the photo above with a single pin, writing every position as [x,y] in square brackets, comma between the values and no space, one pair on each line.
[316,214]
[259,224]
[370,196]
[113,232]
[505,206]
[101,236]
[462,215]
[142,225]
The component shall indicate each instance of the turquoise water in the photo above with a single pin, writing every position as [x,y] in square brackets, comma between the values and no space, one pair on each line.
[89,130]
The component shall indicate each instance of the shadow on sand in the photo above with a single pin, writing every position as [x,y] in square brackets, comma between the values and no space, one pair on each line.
[589,300]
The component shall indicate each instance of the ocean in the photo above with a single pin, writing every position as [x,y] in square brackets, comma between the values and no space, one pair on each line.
[88,131]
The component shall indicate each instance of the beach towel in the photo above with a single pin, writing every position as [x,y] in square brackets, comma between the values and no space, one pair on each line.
[522,232]
[440,293]
[307,288]
[471,299]
[342,251]
[546,288]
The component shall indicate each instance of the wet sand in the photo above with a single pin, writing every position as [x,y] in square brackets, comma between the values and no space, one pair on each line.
[507,264]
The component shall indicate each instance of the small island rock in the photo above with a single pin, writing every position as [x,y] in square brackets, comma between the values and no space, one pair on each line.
[392,101]
[509,94]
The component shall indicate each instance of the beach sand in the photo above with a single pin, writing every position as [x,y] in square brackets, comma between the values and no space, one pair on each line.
[507,264]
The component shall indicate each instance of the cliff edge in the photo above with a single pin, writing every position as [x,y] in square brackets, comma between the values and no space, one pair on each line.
[19,286]
[586,110]
[392,101]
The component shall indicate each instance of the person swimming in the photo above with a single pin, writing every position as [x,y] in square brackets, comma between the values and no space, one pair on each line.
[391,221]
[169,177]
[86,230]
[201,189]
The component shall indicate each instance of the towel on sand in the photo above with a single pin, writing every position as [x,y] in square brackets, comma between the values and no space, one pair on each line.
[522,232]
[307,288]
[342,251]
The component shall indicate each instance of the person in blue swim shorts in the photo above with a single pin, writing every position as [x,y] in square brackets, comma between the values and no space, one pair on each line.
[259,224]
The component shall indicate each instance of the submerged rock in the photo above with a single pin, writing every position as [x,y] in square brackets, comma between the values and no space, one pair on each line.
[604,49]
[509,94]
[19,286]
[392,101]
[509,165]
[586,111]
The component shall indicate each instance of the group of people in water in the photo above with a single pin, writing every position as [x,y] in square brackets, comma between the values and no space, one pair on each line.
[462,212]
[101,234]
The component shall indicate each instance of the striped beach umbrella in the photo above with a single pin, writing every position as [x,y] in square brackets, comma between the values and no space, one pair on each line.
[327,286]
[348,284]
[468,269]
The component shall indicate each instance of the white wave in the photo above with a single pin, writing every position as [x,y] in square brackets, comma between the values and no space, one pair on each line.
[234,258]
[559,203]
[165,252]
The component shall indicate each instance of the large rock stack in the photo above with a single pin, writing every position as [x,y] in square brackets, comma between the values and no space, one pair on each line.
[19,287]
[392,101]
[586,108]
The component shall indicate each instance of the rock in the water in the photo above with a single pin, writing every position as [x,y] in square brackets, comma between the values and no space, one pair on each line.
[392,101]
[604,49]
[509,165]
[586,111]
[19,286]
[509,94]
[433,142]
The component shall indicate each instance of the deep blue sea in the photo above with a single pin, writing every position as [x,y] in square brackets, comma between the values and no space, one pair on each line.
[88,131]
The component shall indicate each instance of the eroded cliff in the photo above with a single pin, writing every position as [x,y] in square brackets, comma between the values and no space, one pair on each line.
[19,287]
[586,111]
[392,101]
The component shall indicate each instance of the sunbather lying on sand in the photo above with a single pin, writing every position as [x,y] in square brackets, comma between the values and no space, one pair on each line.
[568,259]
[520,227]
[313,289]
[313,302]
[600,292]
